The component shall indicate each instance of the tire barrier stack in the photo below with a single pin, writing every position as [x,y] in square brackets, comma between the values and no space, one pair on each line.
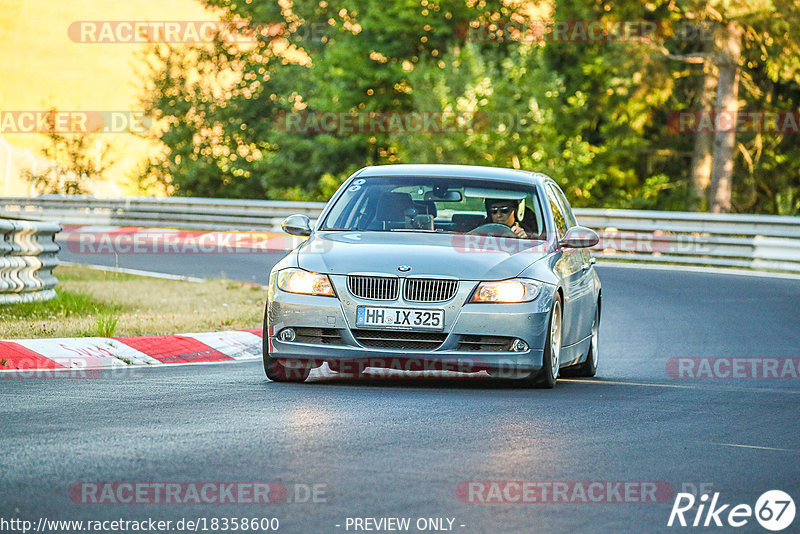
[28,255]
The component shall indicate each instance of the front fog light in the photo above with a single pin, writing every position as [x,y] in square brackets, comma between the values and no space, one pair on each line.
[287,334]
[519,346]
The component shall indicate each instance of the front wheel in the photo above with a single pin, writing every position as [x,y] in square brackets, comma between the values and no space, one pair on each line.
[588,368]
[277,370]
[546,378]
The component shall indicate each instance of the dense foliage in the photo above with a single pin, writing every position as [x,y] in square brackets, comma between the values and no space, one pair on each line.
[595,114]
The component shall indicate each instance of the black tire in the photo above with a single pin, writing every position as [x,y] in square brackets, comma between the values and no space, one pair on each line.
[547,377]
[588,368]
[277,371]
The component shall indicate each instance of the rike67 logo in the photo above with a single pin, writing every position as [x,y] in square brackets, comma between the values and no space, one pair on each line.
[774,510]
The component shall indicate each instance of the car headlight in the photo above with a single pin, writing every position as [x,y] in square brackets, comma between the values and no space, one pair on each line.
[515,290]
[305,282]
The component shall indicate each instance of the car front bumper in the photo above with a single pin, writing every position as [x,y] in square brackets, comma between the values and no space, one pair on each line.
[463,322]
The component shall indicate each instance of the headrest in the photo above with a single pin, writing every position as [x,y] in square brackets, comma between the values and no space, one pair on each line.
[393,206]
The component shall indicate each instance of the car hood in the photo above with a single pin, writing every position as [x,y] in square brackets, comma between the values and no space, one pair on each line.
[427,254]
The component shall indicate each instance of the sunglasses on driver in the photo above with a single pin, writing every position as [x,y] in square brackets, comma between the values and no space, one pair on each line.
[505,210]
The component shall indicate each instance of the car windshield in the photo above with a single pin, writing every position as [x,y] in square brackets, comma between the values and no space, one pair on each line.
[421,204]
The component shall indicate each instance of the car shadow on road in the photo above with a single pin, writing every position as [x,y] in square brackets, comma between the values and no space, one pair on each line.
[431,382]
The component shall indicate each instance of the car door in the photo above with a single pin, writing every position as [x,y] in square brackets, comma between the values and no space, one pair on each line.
[583,293]
[568,268]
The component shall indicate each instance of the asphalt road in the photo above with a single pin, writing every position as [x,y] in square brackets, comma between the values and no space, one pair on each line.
[248,267]
[401,447]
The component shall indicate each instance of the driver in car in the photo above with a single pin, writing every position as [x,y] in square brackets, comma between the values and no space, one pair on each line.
[507,212]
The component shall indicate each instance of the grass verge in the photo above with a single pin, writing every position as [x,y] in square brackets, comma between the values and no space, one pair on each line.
[99,303]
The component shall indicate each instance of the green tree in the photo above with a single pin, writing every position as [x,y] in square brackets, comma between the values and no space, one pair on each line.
[76,160]
[738,44]
[594,114]
[221,104]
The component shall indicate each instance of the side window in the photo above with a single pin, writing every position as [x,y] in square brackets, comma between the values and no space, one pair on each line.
[570,217]
[558,213]
[532,202]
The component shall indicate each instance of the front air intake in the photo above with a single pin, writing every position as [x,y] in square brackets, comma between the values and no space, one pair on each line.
[399,339]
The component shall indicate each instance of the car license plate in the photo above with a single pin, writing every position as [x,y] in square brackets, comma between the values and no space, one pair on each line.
[400,318]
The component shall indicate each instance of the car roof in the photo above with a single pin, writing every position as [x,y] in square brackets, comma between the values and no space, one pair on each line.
[453,171]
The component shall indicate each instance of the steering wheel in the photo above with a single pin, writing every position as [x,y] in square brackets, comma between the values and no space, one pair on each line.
[493,230]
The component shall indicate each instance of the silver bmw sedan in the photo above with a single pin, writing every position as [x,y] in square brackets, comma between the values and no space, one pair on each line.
[437,268]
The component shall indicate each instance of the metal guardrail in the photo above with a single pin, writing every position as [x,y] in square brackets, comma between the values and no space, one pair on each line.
[172,212]
[762,242]
[28,255]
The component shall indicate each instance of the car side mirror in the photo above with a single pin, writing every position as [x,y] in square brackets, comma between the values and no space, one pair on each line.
[297,225]
[579,237]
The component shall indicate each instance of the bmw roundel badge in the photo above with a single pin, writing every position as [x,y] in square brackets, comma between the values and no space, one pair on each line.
[404,268]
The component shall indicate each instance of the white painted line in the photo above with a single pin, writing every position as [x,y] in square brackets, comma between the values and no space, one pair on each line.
[754,447]
[623,383]
[714,388]
[136,272]
[694,269]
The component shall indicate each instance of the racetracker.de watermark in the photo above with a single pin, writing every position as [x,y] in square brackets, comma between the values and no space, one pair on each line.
[198,492]
[563,492]
[501,31]
[413,368]
[726,368]
[390,122]
[74,122]
[176,31]
[77,358]
[77,368]
[131,240]
[140,241]
[251,32]
[611,241]
[560,31]
[744,121]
